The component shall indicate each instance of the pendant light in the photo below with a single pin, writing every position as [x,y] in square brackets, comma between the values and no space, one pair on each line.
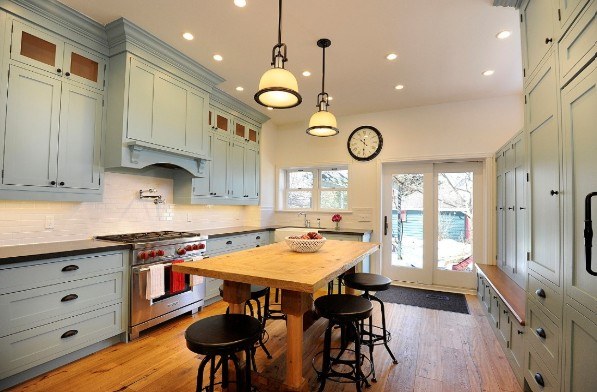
[323,123]
[278,87]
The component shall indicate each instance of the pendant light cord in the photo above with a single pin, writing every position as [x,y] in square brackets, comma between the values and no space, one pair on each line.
[280,22]
[323,74]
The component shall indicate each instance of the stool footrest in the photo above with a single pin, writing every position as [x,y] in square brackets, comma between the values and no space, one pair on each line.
[367,337]
[336,374]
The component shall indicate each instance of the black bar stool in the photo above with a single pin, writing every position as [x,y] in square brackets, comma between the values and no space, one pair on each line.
[347,311]
[372,282]
[331,284]
[257,292]
[222,336]
[275,313]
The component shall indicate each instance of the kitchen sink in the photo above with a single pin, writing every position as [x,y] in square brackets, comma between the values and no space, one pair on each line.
[280,234]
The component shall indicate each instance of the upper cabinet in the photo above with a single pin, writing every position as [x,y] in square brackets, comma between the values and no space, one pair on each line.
[568,10]
[538,33]
[53,112]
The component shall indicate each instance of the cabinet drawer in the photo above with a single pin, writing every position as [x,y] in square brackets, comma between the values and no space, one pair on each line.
[517,344]
[25,309]
[578,47]
[26,349]
[225,244]
[545,336]
[38,274]
[537,373]
[545,296]
[212,287]
[494,309]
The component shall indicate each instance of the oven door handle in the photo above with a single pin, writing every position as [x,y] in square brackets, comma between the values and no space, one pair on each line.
[136,270]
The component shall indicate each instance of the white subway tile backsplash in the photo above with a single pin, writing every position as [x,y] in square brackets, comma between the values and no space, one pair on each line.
[121,211]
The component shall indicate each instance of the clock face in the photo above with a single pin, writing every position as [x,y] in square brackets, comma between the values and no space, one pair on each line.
[365,143]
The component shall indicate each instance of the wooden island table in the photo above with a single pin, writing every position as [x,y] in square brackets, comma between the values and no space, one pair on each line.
[298,275]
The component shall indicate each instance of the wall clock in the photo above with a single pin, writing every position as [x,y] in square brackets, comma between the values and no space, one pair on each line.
[365,143]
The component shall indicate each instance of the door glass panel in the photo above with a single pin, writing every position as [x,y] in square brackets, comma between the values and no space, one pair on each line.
[84,67]
[455,221]
[222,122]
[38,49]
[240,130]
[252,135]
[407,220]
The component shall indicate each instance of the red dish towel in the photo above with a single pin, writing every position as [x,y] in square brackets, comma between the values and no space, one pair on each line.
[177,282]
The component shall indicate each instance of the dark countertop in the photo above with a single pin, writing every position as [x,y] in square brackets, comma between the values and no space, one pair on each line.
[50,250]
[227,231]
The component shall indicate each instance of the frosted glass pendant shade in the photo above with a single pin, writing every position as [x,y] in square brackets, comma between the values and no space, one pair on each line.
[323,123]
[278,89]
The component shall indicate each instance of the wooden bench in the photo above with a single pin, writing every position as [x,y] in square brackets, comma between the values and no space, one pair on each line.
[513,296]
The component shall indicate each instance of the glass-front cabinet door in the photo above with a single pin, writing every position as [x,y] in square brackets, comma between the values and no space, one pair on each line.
[37,48]
[84,67]
[253,135]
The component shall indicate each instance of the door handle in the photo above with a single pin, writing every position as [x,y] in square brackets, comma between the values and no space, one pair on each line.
[589,233]
[385,225]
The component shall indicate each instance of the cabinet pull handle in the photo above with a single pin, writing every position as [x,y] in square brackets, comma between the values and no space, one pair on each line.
[385,225]
[61,183]
[554,193]
[541,333]
[540,293]
[70,297]
[520,332]
[505,311]
[70,268]
[494,297]
[522,208]
[539,379]
[588,233]
[258,237]
[548,40]
[52,182]
[67,73]
[68,334]
[510,208]
[228,242]
[59,70]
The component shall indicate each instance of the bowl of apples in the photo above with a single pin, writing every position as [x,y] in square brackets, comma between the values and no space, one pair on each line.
[306,243]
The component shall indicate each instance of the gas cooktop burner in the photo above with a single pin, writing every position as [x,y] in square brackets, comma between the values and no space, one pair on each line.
[148,237]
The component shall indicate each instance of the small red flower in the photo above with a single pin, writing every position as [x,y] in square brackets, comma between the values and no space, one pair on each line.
[336,218]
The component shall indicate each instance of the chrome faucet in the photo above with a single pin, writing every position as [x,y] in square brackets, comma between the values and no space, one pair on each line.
[306,222]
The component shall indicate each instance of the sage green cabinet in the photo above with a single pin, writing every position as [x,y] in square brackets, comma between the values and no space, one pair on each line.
[542,123]
[580,348]
[251,173]
[218,175]
[237,170]
[567,11]
[165,111]
[538,33]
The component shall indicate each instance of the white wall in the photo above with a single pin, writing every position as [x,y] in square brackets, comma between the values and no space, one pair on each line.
[121,211]
[461,129]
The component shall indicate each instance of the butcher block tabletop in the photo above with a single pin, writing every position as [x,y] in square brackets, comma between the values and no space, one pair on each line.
[277,266]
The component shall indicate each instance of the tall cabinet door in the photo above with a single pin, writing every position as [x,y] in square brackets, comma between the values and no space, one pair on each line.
[499,210]
[218,178]
[169,112]
[32,124]
[251,170]
[580,348]
[579,104]
[542,123]
[80,138]
[510,221]
[140,101]
[197,137]
[537,30]
[237,170]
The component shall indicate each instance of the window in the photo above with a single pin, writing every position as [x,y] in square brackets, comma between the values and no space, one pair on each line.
[316,189]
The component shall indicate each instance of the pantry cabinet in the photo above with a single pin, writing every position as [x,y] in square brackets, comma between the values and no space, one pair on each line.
[538,33]
[52,123]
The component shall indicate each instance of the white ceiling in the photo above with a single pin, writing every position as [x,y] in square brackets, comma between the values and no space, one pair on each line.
[443,47]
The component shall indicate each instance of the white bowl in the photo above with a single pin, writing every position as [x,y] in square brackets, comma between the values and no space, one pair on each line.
[303,245]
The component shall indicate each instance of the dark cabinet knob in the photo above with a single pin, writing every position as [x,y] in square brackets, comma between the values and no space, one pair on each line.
[70,268]
[554,193]
[522,208]
[539,379]
[59,70]
[258,237]
[68,334]
[548,40]
[67,73]
[70,297]
[511,208]
[541,333]
[520,332]
[52,182]
[228,242]
[505,311]
[540,293]
[61,183]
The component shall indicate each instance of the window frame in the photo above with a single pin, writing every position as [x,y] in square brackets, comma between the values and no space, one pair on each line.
[315,190]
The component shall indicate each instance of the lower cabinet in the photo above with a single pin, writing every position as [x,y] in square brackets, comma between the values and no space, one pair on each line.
[580,334]
[365,265]
[228,244]
[51,308]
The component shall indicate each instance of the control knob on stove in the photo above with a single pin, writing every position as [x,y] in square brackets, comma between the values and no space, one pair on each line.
[201,245]
[181,251]
[188,248]
[151,253]
[195,246]
[141,255]
[160,252]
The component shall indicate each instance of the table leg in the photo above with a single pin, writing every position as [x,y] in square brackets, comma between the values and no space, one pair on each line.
[236,294]
[294,305]
[347,289]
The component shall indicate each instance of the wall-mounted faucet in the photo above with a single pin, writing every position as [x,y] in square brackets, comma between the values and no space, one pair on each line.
[157,199]
[306,221]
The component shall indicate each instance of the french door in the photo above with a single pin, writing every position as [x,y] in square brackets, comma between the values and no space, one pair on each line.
[430,212]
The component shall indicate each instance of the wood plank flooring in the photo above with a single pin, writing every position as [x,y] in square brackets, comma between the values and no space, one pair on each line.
[436,351]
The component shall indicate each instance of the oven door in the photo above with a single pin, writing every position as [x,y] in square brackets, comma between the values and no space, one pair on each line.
[143,309]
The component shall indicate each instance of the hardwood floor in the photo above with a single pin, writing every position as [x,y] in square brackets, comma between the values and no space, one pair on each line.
[436,351]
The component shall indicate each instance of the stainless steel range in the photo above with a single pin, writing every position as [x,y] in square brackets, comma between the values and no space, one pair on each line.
[182,294]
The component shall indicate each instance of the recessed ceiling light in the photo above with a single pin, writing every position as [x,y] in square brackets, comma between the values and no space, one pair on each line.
[392,56]
[269,108]
[217,57]
[240,3]
[306,73]
[489,72]
[188,36]
[399,87]
[239,88]
[504,34]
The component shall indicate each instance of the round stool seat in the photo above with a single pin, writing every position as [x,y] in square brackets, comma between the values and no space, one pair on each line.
[367,282]
[256,291]
[223,333]
[343,307]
